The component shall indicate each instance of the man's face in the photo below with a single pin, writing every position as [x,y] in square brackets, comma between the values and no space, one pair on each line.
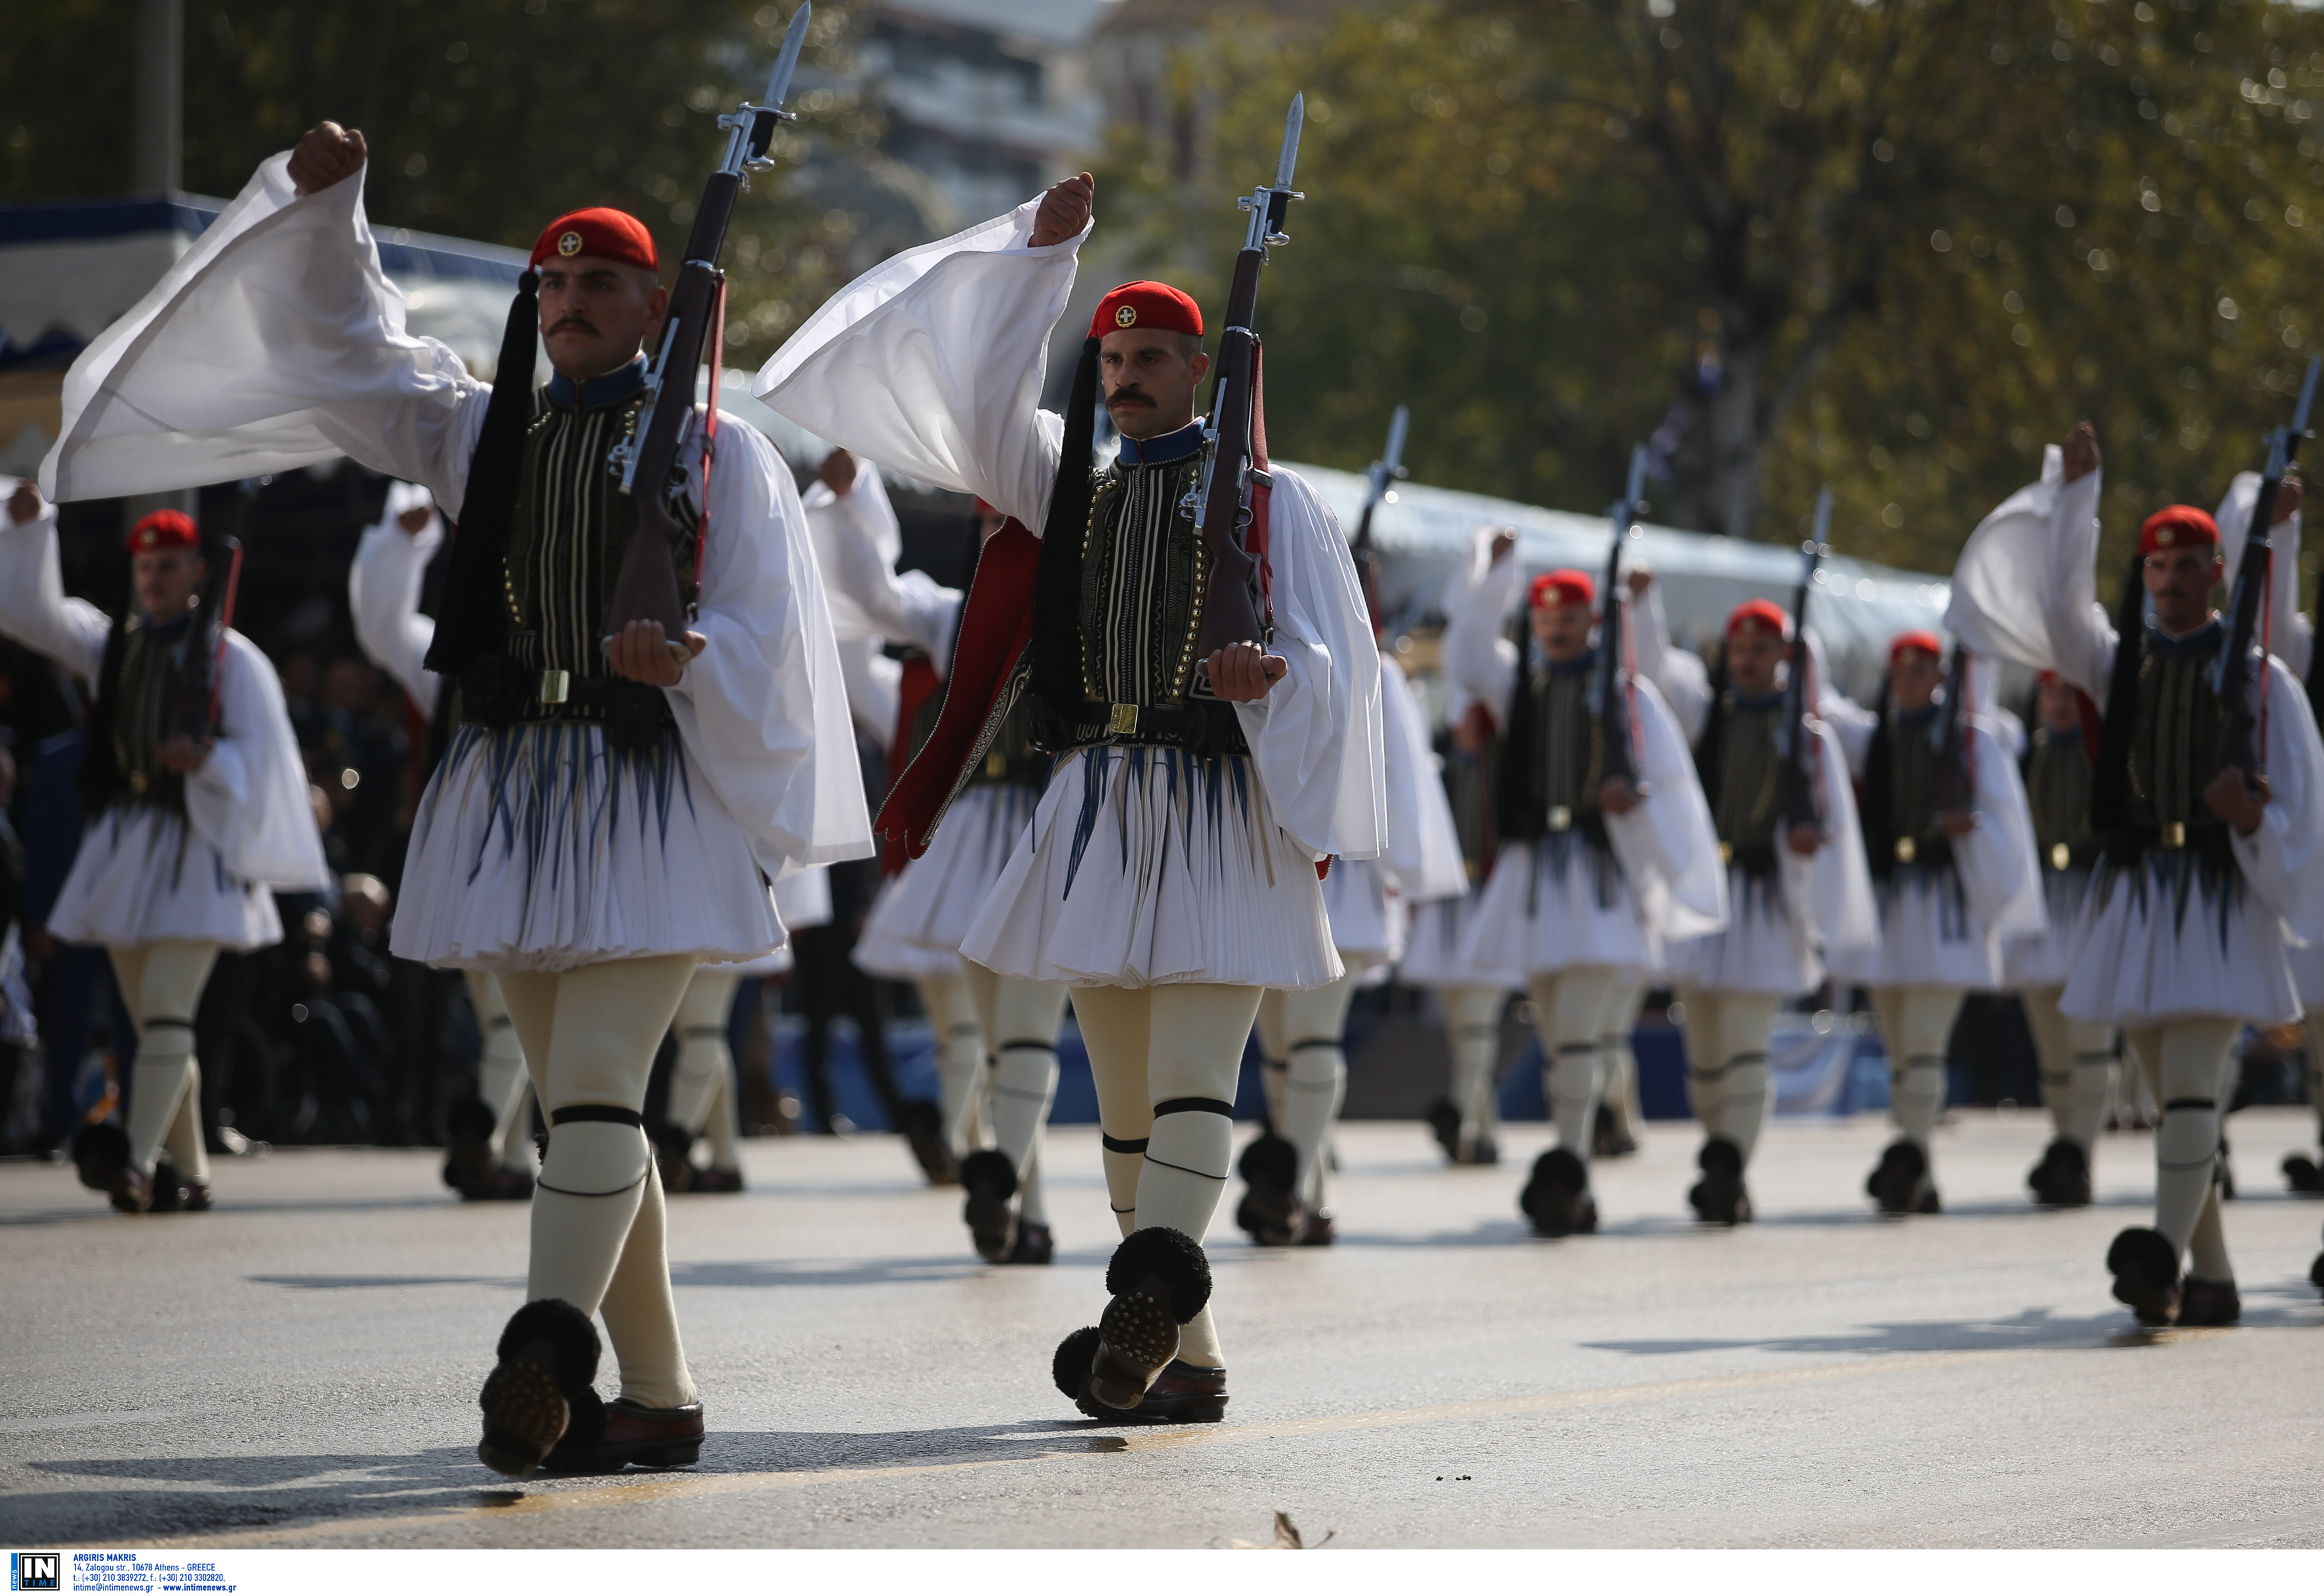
[166,580]
[1752,655]
[2180,580]
[2061,711]
[1150,377]
[1562,630]
[1912,679]
[596,314]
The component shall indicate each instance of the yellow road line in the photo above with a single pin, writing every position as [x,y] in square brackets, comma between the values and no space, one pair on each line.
[634,1491]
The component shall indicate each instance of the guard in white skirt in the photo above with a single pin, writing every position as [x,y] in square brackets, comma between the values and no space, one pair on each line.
[606,817]
[1595,870]
[1951,848]
[491,1156]
[1368,902]
[186,839]
[2078,1058]
[1169,873]
[1796,893]
[1007,1027]
[1465,1121]
[2202,880]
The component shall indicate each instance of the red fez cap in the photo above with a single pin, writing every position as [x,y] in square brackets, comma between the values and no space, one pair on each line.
[2047,678]
[164,529]
[2178,523]
[601,231]
[1928,642]
[1147,304]
[1763,613]
[1554,589]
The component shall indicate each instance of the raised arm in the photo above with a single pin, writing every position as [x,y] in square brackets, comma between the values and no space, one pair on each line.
[856,542]
[33,608]
[275,342]
[2081,636]
[384,590]
[1480,661]
[1679,676]
[932,363]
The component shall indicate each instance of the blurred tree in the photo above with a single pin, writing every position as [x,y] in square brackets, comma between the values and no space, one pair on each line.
[1893,245]
[485,117]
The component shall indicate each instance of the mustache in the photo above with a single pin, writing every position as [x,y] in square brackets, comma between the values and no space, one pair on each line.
[578,323]
[1129,396]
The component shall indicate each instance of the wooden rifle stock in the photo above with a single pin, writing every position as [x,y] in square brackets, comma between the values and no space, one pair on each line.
[1230,603]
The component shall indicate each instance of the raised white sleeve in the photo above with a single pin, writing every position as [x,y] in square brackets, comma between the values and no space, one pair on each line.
[932,363]
[250,800]
[383,594]
[275,342]
[33,608]
[1678,675]
[1477,595]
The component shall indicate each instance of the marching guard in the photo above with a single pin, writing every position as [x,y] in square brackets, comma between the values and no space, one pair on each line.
[612,809]
[1607,847]
[198,814]
[1951,848]
[1169,873]
[2207,869]
[1798,888]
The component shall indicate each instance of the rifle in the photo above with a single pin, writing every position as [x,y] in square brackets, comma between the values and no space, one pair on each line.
[647,461]
[2241,738]
[200,677]
[1956,783]
[1621,761]
[1791,738]
[1389,469]
[1222,497]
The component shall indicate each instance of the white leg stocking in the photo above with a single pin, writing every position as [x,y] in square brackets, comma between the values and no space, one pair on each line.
[1569,1013]
[702,1085]
[1020,1019]
[500,1079]
[161,985]
[1917,1023]
[589,1037]
[951,1004]
[1316,1083]
[2186,1063]
[1473,1031]
[2313,1021]
[1619,1061]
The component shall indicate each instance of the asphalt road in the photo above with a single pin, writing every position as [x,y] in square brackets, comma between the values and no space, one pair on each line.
[298,1368]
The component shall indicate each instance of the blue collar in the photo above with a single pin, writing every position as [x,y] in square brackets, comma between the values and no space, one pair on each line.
[1918,718]
[1773,699]
[611,388]
[2202,639]
[1586,660]
[1162,450]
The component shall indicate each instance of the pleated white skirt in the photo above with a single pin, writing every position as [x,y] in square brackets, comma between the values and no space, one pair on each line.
[1432,953]
[878,951]
[1927,939]
[2159,943]
[1557,904]
[2047,959]
[1762,950]
[1149,867]
[538,848]
[1368,919]
[937,898]
[142,875]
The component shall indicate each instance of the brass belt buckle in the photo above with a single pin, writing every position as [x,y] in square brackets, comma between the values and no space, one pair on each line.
[1725,852]
[556,686]
[137,783]
[1123,722]
[2060,855]
[1561,819]
[2175,833]
[1906,849]
[996,765]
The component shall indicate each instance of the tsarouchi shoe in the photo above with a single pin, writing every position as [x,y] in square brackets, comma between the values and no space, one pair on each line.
[989,1182]
[1159,1279]
[2209,1302]
[1270,1210]
[539,1393]
[1557,1196]
[2145,1270]
[1900,1182]
[649,1437]
[1035,1244]
[2063,1178]
[1719,1197]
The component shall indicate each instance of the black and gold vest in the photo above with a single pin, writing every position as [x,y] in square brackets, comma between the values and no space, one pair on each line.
[1742,776]
[2174,752]
[1898,815]
[1471,788]
[571,525]
[1137,620]
[2057,773]
[138,686]
[1555,754]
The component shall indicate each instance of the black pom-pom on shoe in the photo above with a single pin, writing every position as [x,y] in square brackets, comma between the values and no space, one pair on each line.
[1172,1256]
[540,1391]
[2303,1176]
[990,1180]
[1557,1196]
[1159,1279]
[1270,1210]
[1445,1124]
[1719,1197]
[100,1153]
[2063,1178]
[1899,1183]
[2145,1270]
[1070,1365]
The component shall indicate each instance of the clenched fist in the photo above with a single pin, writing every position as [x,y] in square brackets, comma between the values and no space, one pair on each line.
[328,154]
[1065,211]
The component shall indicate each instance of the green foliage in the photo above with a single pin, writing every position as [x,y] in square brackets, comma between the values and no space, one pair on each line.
[485,118]
[1918,237]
